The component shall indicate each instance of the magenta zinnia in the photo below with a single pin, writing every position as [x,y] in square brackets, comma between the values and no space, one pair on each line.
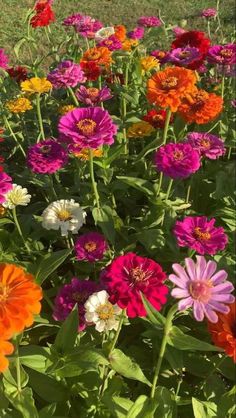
[200,287]
[5,185]
[92,96]
[207,145]
[90,247]
[67,74]
[3,59]
[128,277]
[46,157]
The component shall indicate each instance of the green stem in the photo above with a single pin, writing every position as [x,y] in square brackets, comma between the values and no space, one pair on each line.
[19,229]
[17,361]
[94,184]
[167,329]
[73,96]
[188,193]
[209,29]
[169,189]
[13,135]
[40,121]
[167,122]
[160,183]
[124,110]
[223,86]
[45,296]
[122,316]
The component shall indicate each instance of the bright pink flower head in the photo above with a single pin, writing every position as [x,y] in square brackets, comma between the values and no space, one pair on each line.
[136,33]
[73,20]
[76,292]
[183,56]
[92,96]
[112,43]
[200,287]
[5,185]
[129,276]
[162,56]
[207,145]
[177,30]
[222,54]
[90,247]
[67,74]
[46,157]
[86,26]
[3,59]
[199,234]
[177,160]
[208,13]
[89,127]
[149,21]
[194,39]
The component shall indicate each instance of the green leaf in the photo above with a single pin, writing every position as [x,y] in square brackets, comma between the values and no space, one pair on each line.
[4,221]
[165,403]
[182,341]
[22,401]
[47,388]
[202,409]
[34,356]
[104,218]
[143,407]
[151,239]
[142,185]
[125,366]
[155,317]
[81,360]
[117,405]
[226,404]
[66,337]
[49,264]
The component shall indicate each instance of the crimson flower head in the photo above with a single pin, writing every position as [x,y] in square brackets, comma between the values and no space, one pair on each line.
[17,73]
[44,14]
[156,118]
[91,70]
[128,277]
[194,39]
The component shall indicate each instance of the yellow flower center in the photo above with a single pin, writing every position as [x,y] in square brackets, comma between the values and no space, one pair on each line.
[178,155]
[92,91]
[138,275]
[86,126]
[157,118]
[105,311]
[184,54]
[80,297]
[2,210]
[200,290]
[93,55]
[203,236]
[169,83]
[90,246]
[205,143]
[45,149]
[64,215]
[227,53]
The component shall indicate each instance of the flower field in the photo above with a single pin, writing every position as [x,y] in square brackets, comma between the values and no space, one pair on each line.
[117,219]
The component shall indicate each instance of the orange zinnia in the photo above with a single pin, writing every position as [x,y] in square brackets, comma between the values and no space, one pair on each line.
[167,87]
[200,107]
[6,348]
[19,299]
[223,333]
[100,55]
[120,32]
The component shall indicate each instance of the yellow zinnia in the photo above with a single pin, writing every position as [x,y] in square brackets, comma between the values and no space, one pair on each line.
[20,105]
[36,85]
[128,44]
[148,64]
[65,109]
[140,129]
[83,154]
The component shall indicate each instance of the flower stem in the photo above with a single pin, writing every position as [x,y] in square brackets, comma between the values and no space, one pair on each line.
[188,193]
[169,189]
[17,363]
[223,86]
[122,316]
[167,329]
[124,110]
[40,121]
[73,96]
[167,122]
[94,184]
[19,229]
[13,135]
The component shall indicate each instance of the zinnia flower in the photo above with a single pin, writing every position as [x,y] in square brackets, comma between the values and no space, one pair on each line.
[92,96]
[67,74]
[140,129]
[112,43]
[75,293]
[36,85]
[200,107]
[148,64]
[193,39]
[88,127]
[177,30]
[91,70]
[120,32]
[65,215]
[3,59]
[90,247]
[6,348]
[208,13]
[137,33]
[223,333]
[5,185]
[201,288]
[65,109]
[101,312]
[177,161]
[104,33]
[72,20]
[129,44]
[201,235]
[84,154]
[19,105]
[86,26]
[167,87]
[44,14]
[17,286]
[162,56]
[222,54]
[17,73]
[149,21]
[128,276]
[156,118]
[100,55]
[17,196]
[183,56]
[207,145]
[46,157]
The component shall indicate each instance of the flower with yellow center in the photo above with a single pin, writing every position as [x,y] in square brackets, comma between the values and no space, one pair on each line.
[65,109]
[140,129]
[36,85]
[129,44]
[101,312]
[83,154]
[19,105]
[17,196]
[148,64]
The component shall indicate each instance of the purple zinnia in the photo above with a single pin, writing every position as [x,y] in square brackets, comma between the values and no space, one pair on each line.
[198,286]
[90,247]
[183,56]
[162,56]
[136,33]
[87,26]
[92,96]
[67,74]
[5,185]
[89,127]
[199,234]
[207,145]
[177,160]
[233,103]
[112,43]
[46,157]
[76,292]
[3,59]
[208,13]
[149,21]
[72,20]
[222,54]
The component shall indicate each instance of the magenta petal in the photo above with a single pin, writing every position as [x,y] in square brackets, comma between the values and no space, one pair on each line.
[218,306]
[200,266]
[179,270]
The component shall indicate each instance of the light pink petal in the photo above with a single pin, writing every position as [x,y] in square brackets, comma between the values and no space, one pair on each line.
[179,293]
[190,266]
[223,297]
[223,287]
[179,281]
[210,270]
[210,314]
[185,304]
[218,306]
[219,277]
[198,310]
[200,266]
[178,269]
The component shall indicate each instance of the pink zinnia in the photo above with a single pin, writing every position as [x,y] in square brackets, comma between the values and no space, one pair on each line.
[207,145]
[5,185]
[208,13]
[183,56]
[67,74]
[86,26]
[201,288]
[149,21]
[136,33]
[222,54]
[90,247]
[177,160]
[177,30]
[112,43]
[3,59]
[128,277]
[46,157]
[201,235]
[73,20]
[89,127]
[92,96]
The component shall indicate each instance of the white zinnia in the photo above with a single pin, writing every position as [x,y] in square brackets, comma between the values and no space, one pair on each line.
[17,196]
[104,33]
[101,312]
[66,215]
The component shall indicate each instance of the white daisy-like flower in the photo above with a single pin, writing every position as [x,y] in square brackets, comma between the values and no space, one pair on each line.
[101,312]
[104,33]
[65,215]
[17,196]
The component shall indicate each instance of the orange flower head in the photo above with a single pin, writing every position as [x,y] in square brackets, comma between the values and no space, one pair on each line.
[83,154]
[100,55]
[6,348]
[120,32]
[128,44]
[200,107]
[167,87]
[223,333]
[19,299]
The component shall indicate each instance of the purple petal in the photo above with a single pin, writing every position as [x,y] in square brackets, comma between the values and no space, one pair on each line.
[210,314]
[198,310]
[226,287]
[210,270]
[190,266]
[219,277]
[200,266]
[179,281]
[218,306]
[185,304]
[178,269]
[179,293]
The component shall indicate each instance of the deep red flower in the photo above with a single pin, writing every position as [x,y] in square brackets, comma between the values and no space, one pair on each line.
[195,39]
[18,73]
[156,118]
[44,14]
[91,70]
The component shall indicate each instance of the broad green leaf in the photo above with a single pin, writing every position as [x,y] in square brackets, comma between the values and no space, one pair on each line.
[227,405]
[47,387]
[155,317]
[182,341]
[22,401]
[143,407]
[203,409]
[117,405]
[34,356]
[125,366]
[49,264]
[104,218]
[142,185]
[67,334]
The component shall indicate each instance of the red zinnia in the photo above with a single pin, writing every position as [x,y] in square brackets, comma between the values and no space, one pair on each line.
[44,14]
[91,70]
[18,73]
[156,118]
[195,39]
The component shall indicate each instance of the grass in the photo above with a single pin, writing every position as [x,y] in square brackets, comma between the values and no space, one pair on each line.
[13,12]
